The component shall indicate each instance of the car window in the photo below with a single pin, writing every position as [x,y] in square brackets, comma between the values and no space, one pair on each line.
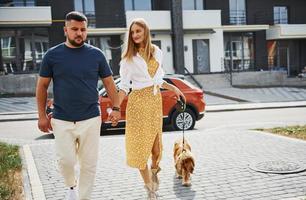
[189,84]
[169,81]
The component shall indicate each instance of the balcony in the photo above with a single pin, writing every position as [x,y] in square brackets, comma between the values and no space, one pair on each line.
[286,31]
[238,22]
[201,19]
[157,20]
[25,16]
[192,20]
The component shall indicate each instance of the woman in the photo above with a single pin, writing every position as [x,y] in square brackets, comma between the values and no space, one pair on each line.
[140,69]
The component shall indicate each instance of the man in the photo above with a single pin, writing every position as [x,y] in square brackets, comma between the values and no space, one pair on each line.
[74,67]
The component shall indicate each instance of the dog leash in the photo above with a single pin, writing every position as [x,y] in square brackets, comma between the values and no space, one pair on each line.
[182,109]
[184,130]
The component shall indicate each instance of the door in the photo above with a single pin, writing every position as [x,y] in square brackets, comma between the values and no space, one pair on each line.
[283,61]
[200,56]
[157,43]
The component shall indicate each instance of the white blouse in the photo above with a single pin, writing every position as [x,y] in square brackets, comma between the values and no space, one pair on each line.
[134,74]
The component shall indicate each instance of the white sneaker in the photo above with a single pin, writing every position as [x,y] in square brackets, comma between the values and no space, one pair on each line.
[72,194]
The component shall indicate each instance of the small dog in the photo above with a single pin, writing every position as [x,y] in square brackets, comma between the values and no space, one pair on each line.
[184,161]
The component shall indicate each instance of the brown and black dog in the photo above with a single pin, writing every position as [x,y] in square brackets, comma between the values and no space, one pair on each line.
[184,161]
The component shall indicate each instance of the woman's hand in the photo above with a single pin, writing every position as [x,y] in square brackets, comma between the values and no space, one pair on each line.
[179,94]
[114,116]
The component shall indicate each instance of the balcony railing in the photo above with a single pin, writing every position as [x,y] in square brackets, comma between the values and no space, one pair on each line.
[91,17]
[238,65]
[237,17]
[104,21]
[283,20]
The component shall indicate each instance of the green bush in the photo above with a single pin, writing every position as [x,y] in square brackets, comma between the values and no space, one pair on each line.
[10,162]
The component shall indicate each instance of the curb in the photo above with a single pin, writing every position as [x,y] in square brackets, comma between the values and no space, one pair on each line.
[254,106]
[26,181]
[18,116]
[32,115]
[224,96]
[19,113]
[18,119]
[37,188]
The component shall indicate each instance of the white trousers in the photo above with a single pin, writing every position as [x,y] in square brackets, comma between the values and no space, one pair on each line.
[77,141]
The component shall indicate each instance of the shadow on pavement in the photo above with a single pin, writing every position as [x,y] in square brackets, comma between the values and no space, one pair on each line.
[112,132]
[45,136]
[182,192]
[166,130]
[122,131]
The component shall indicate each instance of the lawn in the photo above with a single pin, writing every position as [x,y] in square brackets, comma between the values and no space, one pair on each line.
[10,172]
[298,132]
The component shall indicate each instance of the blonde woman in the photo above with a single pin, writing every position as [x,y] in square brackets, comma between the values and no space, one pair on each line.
[140,70]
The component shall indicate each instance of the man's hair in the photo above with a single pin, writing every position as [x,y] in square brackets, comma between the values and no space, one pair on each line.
[77,16]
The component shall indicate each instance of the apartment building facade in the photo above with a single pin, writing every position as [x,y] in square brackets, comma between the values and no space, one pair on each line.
[264,35]
[201,36]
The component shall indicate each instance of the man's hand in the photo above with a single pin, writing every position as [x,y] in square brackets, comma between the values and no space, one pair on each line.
[44,124]
[114,116]
[41,97]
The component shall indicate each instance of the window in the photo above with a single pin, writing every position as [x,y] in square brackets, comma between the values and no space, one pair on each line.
[192,5]
[106,48]
[239,51]
[280,15]
[87,7]
[157,43]
[17,3]
[22,49]
[237,12]
[8,47]
[137,5]
[103,44]
[41,48]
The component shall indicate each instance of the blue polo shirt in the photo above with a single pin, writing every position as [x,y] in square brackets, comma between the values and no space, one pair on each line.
[75,73]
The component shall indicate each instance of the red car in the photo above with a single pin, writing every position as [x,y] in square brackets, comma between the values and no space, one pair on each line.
[195,105]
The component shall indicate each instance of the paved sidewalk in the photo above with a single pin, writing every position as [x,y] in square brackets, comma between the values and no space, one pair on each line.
[221,171]
[32,115]
[261,95]
[17,104]
[216,96]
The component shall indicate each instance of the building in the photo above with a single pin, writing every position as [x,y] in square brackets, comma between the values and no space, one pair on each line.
[264,35]
[201,36]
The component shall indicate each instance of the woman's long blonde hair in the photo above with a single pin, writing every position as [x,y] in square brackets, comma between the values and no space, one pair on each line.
[131,48]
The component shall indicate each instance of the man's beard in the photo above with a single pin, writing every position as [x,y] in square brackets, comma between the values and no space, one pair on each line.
[75,44]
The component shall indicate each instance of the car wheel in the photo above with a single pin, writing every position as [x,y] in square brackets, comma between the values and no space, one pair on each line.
[177,120]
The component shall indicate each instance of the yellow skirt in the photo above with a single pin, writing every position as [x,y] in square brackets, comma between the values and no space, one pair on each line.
[143,123]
